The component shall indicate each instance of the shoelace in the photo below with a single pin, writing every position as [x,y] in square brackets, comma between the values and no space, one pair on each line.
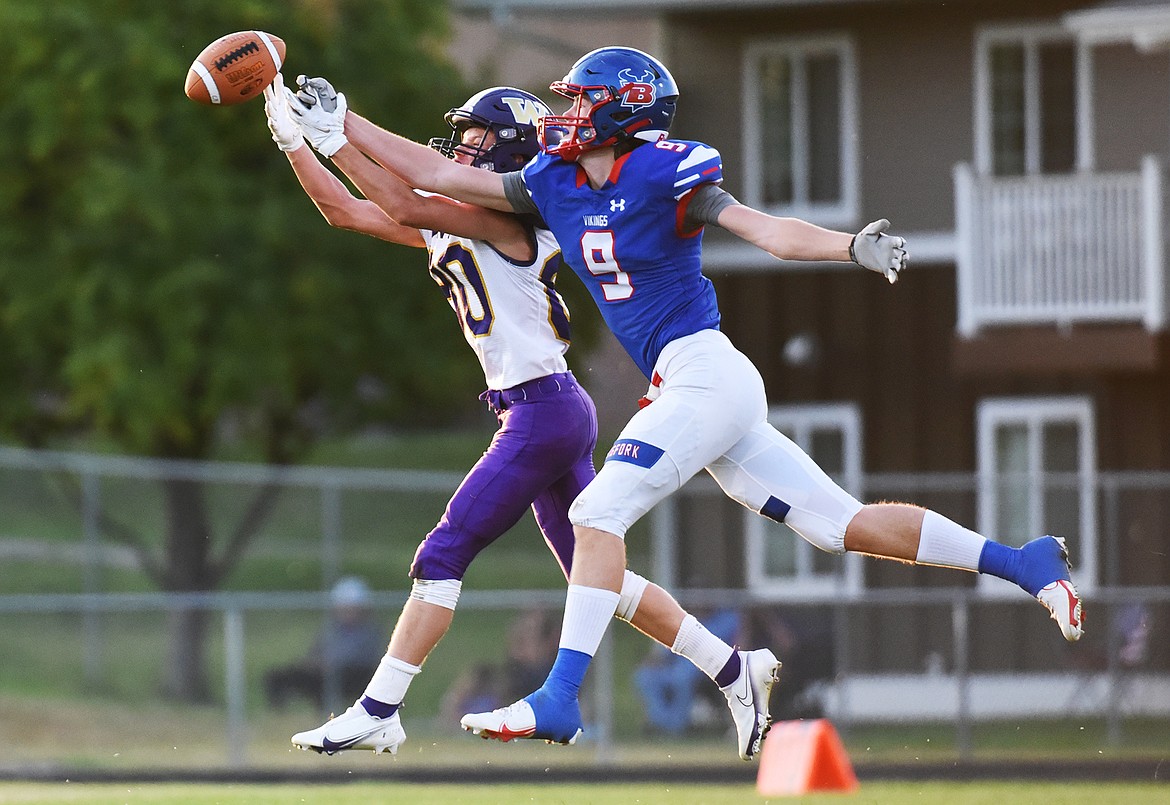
[512,709]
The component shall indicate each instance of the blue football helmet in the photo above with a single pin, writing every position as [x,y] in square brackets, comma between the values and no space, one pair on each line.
[631,95]
[510,114]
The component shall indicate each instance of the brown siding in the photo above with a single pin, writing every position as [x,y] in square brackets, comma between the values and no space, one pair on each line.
[889,349]
[885,348]
[916,96]
[1132,106]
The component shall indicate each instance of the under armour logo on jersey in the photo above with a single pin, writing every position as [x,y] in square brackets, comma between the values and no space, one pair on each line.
[617,205]
[637,91]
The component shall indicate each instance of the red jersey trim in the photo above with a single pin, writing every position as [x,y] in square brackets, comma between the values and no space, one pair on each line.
[681,214]
[616,170]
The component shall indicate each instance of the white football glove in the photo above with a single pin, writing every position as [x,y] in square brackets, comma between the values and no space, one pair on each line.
[872,248]
[284,131]
[319,112]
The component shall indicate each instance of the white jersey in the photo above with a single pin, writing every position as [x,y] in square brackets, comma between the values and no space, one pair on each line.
[510,312]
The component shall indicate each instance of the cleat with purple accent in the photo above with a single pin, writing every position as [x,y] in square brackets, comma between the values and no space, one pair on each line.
[747,697]
[519,720]
[354,729]
[1049,556]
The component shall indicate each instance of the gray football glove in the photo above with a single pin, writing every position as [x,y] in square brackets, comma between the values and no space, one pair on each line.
[319,112]
[317,90]
[872,248]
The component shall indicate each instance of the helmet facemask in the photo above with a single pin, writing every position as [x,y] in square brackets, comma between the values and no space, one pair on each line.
[570,135]
[509,114]
[499,156]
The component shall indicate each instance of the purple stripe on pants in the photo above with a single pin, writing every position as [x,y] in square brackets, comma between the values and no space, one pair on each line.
[542,456]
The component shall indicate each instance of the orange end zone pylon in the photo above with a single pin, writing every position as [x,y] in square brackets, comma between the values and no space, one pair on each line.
[803,756]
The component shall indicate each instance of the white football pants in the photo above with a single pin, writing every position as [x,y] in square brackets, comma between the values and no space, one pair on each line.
[711,412]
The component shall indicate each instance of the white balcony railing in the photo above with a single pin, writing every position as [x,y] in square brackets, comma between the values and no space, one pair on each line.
[1060,249]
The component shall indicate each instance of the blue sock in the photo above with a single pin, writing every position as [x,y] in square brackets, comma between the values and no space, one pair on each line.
[379,709]
[567,674]
[1000,560]
[558,714]
[1033,566]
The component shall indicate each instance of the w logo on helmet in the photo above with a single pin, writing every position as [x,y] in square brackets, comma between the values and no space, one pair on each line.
[526,111]
[636,92]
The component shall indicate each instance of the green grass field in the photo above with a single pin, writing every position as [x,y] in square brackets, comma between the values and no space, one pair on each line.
[883,793]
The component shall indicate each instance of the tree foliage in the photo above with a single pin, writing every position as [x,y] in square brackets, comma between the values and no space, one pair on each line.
[160,265]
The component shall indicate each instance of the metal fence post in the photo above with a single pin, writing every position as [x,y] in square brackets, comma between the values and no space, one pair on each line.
[330,572]
[330,534]
[1112,549]
[605,700]
[234,685]
[1113,727]
[663,544]
[1113,672]
[91,623]
[844,719]
[960,618]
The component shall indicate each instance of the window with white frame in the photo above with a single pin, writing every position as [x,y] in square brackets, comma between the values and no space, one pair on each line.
[1037,475]
[1026,100]
[779,563]
[800,127]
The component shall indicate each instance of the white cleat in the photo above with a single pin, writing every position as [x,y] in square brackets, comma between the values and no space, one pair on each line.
[517,720]
[1059,596]
[747,697]
[354,729]
[1062,600]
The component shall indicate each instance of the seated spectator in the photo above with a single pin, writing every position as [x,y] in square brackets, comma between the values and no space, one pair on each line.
[533,637]
[478,688]
[667,682]
[531,647]
[349,644]
[802,638]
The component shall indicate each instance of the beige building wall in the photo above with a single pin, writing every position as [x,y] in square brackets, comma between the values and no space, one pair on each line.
[533,49]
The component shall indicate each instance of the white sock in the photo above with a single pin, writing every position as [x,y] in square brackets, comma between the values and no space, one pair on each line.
[695,642]
[389,683]
[947,544]
[588,611]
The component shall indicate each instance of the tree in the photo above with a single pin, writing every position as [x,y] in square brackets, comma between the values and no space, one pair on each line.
[161,268]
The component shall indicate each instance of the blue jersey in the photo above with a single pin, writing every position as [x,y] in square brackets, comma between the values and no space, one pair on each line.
[627,243]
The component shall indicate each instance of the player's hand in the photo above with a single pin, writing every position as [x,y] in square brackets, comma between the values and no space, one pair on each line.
[872,248]
[312,91]
[319,112]
[284,131]
[652,393]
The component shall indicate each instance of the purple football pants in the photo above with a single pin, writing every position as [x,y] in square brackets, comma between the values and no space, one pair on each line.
[542,456]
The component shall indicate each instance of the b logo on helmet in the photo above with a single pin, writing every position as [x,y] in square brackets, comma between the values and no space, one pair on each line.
[636,92]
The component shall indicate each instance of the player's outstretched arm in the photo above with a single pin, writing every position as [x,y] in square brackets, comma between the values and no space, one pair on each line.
[338,206]
[425,168]
[437,213]
[794,239]
[327,124]
[320,114]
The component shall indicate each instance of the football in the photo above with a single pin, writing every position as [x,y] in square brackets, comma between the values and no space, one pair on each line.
[234,68]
